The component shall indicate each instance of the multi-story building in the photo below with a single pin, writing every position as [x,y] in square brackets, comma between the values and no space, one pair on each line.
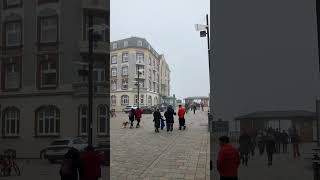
[164,78]
[42,96]
[128,57]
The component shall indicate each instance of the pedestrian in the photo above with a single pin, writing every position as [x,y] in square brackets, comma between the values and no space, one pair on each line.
[228,160]
[270,146]
[277,135]
[162,124]
[187,108]
[284,141]
[182,121]
[261,144]
[90,165]
[245,144]
[169,115]
[70,166]
[138,114]
[253,143]
[295,143]
[194,108]
[131,117]
[157,119]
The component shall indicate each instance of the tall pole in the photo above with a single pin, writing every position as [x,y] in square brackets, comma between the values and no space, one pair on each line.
[90,88]
[208,39]
[138,85]
[318,31]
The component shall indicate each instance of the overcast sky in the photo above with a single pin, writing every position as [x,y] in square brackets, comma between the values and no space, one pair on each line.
[169,27]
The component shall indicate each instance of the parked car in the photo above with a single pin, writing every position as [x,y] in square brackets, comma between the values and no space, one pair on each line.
[129,107]
[148,109]
[59,147]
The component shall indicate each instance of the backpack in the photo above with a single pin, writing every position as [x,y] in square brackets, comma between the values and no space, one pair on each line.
[66,168]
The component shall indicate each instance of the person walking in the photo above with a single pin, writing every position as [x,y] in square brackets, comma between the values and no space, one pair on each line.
[261,144]
[253,143]
[182,121]
[131,117]
[162,124]
[270,146]
[228,160]
[245,144]
[169,115]
[295,143]
[277,135]
[157,119]
[284,141]
[138,114]
[90,165]
[70,166]
[194,108]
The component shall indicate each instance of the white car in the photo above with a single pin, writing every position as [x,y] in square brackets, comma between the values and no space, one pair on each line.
[59,147]
[129,107]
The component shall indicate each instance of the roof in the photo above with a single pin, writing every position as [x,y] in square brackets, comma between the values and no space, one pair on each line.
[278,115]
[133,43]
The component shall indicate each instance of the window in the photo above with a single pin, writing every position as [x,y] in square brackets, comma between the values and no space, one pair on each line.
[114,59]
[11,121]
[125,57]
[125,43]
[124,100]
[48,121]
[125,71]
[13,34]
[141,99]
[150,101]
[102,119]
[150,85]
[140,68]
[114,46]
[125,84]
[150,61]
[139,43]
[140,57]
[99,21]
[48,29]
[114,72]
[12,75]
[113,100]
[154,87]
[48,74]
[113,85]
[156,100]
[83,120]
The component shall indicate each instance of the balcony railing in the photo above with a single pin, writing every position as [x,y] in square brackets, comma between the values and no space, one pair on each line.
[99,88]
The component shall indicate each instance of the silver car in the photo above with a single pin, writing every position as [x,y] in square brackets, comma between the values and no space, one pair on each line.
[59,147]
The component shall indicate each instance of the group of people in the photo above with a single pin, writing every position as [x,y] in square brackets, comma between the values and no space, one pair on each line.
[135,115]
[193,107]
[169,118]
[269,140]
[86,166]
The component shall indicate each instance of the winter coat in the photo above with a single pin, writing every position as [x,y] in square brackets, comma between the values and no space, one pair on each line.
[156,119]
[169,115]
[245,143]
[270,144]
[228,161]
[181,112]
[131,114]
[91,163]
[138,113]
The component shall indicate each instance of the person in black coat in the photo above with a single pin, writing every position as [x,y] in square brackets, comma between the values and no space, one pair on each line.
[270,146]
[245,147]
[157,119]
[71,165]
[169,115]
[284,141]
[131,117]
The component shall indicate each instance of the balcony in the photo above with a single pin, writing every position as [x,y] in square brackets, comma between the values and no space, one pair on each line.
[99,88]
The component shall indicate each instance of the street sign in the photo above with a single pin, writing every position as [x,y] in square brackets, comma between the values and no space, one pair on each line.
[203,33]
[200,27]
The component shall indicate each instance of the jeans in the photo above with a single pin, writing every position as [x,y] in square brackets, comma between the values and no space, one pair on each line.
[169,126]
[182,122]
[244,158]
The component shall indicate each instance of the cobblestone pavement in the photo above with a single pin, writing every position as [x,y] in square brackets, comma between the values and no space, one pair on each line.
[140,153]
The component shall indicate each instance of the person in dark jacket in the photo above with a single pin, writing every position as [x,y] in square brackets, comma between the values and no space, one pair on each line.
[261,144]
[138,115]
[284,141]
[245,145]
[70,165]
[295,143]
[131,117]
[157,119]
[169,115]
[228,160]
[277,136]
[270,146]
[90,165]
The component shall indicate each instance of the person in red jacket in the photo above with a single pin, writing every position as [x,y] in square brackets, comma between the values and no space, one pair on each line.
[182,121]
[228,160]
[90,165]
[138,114]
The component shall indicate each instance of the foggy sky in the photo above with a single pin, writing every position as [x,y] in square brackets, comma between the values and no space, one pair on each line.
[169,27]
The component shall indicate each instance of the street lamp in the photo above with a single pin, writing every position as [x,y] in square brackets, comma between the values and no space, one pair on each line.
[140,71]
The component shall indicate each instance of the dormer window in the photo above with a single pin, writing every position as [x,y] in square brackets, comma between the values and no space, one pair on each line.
[139,43]
[125,44]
